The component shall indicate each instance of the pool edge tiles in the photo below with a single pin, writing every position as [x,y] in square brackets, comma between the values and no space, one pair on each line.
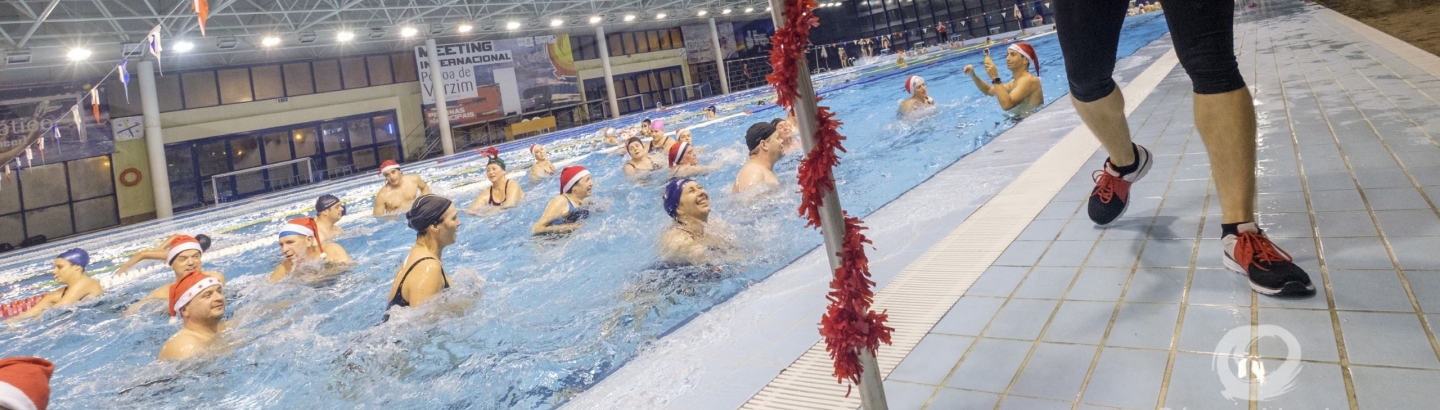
[721,358]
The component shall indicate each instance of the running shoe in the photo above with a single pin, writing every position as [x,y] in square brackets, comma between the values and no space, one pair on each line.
[1112,191]
[1271,271]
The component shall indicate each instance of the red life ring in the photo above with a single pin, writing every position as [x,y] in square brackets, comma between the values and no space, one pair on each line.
[130,177]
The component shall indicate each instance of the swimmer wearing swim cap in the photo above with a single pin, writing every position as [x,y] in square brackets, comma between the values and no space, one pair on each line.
[766,148]
[300,243]
[565,212]
[1023,93]
[69,271]
[686,240]
[919,95]
[328,211]
[502,193]
[608,134]
[183,254]
[399,191]
[542,168]
[435,220]
[684,161]
[640,162]
[158,253]
[199,302]
[710,112]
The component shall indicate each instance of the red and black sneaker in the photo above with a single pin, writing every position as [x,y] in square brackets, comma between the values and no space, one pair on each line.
[1272,272]
[1112,189]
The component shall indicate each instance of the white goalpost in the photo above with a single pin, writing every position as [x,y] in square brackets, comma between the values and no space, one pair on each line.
[265,178]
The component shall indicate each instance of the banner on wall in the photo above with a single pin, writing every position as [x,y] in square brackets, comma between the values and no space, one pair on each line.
[752,38]
[485,80]
[26,118]
[698,46]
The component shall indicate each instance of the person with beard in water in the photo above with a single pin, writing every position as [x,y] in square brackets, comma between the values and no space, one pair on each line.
[566,211]
[422,275]
[502,194]
[199,301]
[300,243]
[183,257]
[158,254]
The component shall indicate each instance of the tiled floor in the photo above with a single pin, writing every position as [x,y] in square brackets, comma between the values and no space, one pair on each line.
[1139,315]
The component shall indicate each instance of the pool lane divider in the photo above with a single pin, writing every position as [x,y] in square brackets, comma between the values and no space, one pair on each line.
[920,295]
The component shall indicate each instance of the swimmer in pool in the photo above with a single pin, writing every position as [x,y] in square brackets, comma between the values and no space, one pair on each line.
[608,134]
[542,168]
[158,253]
[1023,93]
[640,162]
[70,271]
[765,145]
[301,243]
[710,113]
[685,241]
[900,60]
[919,95]
[685,162]
[184,257]
[399,190]
[199,301]
[566,211]
[328,211]
[684,136]
[502,193]
[422,276]
[658,141]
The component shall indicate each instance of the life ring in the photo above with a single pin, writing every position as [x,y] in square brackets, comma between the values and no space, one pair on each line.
[130,177]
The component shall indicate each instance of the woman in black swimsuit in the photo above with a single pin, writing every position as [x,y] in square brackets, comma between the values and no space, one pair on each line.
[69,271]
[422,276]
[640,161]
[503,193]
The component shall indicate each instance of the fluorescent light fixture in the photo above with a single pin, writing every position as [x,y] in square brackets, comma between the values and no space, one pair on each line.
[227,43]
[725,11]
[749,9]
[408,32]
[595,19]
[465,28]
[18,57]
[660,16]
[512,25]
[557,22]
[629,17]
[78,54]
[702,12]
[182,46]
[344,36]
[270,41]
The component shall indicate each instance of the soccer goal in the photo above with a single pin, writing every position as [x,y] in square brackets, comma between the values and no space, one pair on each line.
[258,180]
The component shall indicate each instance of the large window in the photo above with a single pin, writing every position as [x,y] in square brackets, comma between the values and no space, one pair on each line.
[620,44]
[654,85]
[337,147]
[58,200]
[235,85]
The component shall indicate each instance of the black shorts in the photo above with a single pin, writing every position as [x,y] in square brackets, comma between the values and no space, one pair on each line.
[1203,33]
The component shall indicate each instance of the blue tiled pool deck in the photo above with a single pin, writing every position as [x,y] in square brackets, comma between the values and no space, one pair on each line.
[1067,315]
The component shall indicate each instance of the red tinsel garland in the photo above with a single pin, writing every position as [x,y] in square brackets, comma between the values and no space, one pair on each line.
[848,324]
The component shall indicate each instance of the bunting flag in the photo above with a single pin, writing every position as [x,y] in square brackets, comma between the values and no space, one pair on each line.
[202,8]
[95,104]
[42,149]
[29,158]
[79,126]
[125,77]
[152,42]
[1018,14]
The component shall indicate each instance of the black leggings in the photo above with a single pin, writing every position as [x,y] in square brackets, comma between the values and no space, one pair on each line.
[1202,30]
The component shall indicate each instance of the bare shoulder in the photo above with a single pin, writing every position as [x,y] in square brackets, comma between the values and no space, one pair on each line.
[180,346]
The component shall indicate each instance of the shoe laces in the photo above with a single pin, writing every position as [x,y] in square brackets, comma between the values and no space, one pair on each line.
[1107,186]
[1254,248]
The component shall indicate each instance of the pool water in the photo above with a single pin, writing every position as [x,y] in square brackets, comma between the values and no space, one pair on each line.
[528,322]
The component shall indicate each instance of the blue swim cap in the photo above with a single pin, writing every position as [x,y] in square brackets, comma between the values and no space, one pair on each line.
[673,190]
[76,256]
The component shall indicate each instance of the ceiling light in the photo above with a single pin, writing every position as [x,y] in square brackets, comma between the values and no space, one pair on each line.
[556,22]
[344,36]
[660,16]
[183,46]
[725,11]
[749,9]
[465,28]
[270,41]
[408,32]
[767,8]
[595,19]
[77,54]
[629,17]
[701,13]
[512,25]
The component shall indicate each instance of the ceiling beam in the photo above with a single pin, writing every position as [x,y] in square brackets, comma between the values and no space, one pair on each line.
[337,11]
[38,21]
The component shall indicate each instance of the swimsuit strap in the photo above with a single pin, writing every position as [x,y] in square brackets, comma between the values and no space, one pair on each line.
[398,299]
[492,194]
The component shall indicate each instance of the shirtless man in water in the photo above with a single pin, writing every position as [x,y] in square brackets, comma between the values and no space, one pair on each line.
[765,143]
[919,95]
[184,257]
[1023,93]
[199,301]
[399,191]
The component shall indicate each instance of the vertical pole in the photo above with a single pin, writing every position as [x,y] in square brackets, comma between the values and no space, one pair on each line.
[719,57]
[154,140]
[442,113]
[609,75]
[832,222]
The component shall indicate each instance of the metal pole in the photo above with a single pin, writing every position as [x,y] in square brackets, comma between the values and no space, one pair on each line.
[832,222]
[437,85]
[609,75]
[719,57]
[154,140]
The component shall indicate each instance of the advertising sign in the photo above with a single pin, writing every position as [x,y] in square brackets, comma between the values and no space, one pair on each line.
[698,46]
[485,80]
[24,120]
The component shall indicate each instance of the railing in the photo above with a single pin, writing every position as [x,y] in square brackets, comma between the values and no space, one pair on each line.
[284,182]
[689,92]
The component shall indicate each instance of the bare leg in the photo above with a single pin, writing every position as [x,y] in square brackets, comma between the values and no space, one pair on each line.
[1226,122]
[1106,119]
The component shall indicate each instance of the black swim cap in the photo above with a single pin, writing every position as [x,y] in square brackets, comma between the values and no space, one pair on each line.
[758,132]
[426,212]
[325,202]
[204,241]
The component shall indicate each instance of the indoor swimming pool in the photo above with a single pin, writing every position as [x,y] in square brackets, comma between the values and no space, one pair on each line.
[528,322]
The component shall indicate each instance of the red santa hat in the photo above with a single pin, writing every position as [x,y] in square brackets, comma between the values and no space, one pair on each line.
[187,288]
[303,227]
[25,383]
[570,176]
[180,244]
[1029,52]
[388,165]
[533,146]
[677,152]
[912,83]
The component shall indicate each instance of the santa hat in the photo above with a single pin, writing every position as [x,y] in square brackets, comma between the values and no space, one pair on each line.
[913,83]
[571,175]
[533,146]
[388,165]
[677,151]
[303,227]
[180,244]
[1028,52]
[187,288]
[25,383]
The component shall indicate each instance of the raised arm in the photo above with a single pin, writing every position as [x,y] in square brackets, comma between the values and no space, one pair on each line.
[983,85]
[1009,98]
